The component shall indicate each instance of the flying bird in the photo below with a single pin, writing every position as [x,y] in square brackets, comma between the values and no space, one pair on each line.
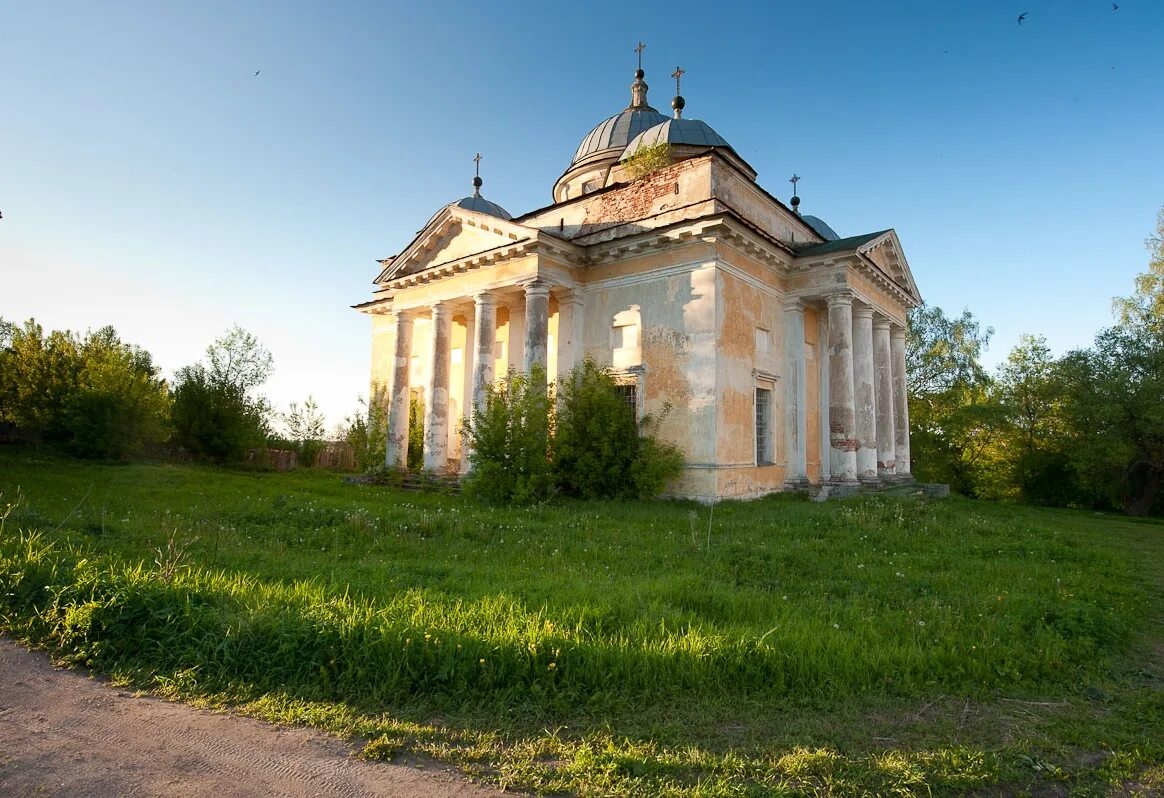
[1022,16]
[1115,7]
[257,71]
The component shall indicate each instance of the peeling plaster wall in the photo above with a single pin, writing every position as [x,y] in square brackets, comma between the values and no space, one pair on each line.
[742,310]
[643,204]
[677,314]
[750,201]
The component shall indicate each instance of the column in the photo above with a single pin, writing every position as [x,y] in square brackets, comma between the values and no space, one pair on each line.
[842,416]
[822,339]
[484,337]
[900,401]
[537,325]
[883,379]
[396,451]
[864,395]
[795,392]
[571,310]
[436,408]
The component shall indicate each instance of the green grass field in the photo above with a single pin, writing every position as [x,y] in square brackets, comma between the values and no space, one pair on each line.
[871,646]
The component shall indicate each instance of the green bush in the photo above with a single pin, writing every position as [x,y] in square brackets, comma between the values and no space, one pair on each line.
[215,420]
[510,441]
[590,448]
[415,432]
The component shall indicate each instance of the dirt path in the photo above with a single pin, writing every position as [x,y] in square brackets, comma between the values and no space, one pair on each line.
[64,734]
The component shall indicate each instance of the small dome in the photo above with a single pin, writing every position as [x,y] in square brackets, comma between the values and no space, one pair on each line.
[822,229]
[692,132]
[615,132]
[478,203]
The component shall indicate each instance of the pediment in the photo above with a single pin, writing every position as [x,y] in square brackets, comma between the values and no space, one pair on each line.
[453,234]
[887,254]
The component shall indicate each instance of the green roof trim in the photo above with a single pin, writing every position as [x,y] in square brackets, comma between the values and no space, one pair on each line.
[840,245]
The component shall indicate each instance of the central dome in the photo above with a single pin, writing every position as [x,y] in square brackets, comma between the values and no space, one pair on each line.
[617,131]
[601,147]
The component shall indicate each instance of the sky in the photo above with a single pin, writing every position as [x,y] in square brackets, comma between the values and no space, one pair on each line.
[151,180]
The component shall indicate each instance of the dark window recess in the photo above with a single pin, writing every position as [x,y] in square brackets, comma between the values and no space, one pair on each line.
[630,395]
[763,426]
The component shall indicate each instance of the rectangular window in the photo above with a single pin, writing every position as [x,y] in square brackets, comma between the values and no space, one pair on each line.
[763,426]
[630,395]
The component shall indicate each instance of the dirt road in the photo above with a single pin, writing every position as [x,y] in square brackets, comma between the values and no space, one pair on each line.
[64,734]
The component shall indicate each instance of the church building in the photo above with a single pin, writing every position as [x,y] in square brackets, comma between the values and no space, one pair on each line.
[779,346]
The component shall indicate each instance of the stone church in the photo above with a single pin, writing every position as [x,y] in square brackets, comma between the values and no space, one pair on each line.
[779,345]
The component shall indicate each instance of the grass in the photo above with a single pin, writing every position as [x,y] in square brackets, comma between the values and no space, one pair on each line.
[873,646]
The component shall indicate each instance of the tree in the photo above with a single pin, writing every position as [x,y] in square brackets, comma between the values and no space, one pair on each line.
[94,395]
[238,359]
[305,428]
[1034,435]
[1115,397]
[216,413]
[953,413]
[367,429]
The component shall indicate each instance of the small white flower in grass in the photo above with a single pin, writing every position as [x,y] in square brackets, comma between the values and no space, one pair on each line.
[836,626]
[786,598]
[921,623]
[861,565]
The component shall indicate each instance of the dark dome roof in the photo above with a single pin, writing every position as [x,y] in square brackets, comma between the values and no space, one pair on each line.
[478,203]
[693,132]
[614,133]
[822,229]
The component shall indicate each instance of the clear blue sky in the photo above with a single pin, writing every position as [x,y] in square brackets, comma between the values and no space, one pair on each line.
[149,180]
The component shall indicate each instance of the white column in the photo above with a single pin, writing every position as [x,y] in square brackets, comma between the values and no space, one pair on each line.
[842,416]
[864,394]
[485,337]
[883,379]
[822,338]
[436,409]
[795,392]
[537,325]
[396,451]
[900,402]
[571,309]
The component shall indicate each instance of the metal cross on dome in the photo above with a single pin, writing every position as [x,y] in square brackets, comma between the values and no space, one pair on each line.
[477,161]
[639,50]
[678,73]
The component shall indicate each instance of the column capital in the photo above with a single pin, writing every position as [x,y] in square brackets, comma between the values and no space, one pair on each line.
[793,304]
[839,298]
[897,332]
[571,296]
[862,311]
[403,314]
[441,309]
[880,322]
[535,287]
[485,299]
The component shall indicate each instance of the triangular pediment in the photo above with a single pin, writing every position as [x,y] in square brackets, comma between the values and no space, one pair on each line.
[887,254]
[453,235]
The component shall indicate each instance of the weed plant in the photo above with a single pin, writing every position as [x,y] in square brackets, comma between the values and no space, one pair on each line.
[603,648]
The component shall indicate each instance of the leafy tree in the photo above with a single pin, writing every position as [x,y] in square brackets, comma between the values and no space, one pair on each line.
[1115,398]
[953,413]
[305,429]
[216,414]
[1034,434]
[238,359]
[367,429]
[96,396]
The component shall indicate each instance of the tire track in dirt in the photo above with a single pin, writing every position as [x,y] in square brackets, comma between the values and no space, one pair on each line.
[64,734]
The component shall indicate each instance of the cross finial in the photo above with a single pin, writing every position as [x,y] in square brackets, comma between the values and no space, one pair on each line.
[639,50]
[678,73]
[477,161]
[794,180]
